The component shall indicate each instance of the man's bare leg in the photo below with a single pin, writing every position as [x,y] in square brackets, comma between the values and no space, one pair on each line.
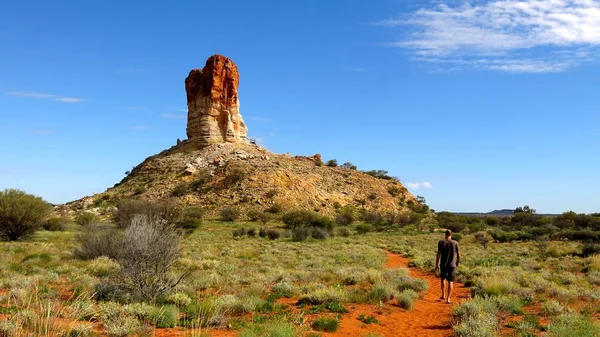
[443,289]
[450,286]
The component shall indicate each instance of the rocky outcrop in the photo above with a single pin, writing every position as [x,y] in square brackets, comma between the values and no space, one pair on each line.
[213,104]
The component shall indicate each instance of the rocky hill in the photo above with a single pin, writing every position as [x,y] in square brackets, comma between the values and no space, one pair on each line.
[218,167]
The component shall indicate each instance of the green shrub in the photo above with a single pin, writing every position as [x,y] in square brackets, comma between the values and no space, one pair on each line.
[345,218]
[251,232]
[55,224]
[239,232]
[300,234]
[567,325]
[21,214]
[590,249]
[364,228]
[367,319]
[457,236]
[270,329]
[343,232]
[262,232]
[121,326]
[325,324]
[322,221]
[229,214]
[319,233]
[190,218]
[380,293]
[253,215]
[349,165]
[180,189]
[406,299]
[273,234]
[166,211]
[551,308]
[103,266]
[274,209]
[165,317]
[98,240]
[332,163]
[301,218]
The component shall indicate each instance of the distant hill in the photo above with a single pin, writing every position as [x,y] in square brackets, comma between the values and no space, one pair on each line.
[498,212]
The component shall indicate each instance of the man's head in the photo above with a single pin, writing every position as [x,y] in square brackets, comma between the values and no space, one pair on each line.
[448,234]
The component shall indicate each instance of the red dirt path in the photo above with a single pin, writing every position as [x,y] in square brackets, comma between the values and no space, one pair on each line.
[430,317]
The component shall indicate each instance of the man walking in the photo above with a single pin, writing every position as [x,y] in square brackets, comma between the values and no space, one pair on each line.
[446,261]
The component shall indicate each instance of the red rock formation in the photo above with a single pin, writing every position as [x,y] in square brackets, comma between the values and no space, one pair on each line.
[213,105]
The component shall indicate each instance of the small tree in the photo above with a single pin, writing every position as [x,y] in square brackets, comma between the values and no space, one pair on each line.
[149,253]
[349,165]
[229,214]
[332,163]
[21,214]
[127,210]
[483,238]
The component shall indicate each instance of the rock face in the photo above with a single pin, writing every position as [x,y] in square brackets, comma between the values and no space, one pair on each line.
[213,104]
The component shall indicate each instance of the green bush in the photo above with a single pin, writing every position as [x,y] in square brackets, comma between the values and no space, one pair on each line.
[273,234]
[325,324]
[300,234]
[301,218]
[190,218]
[364,228]
[343,232]
[332,163]
[55,224]
[84,218]
[345,218]
[229,214]
[406,299]
[21,214]
[165,317]
[253,215]
[567,325]
[319,233]
[394,191]
[274,209]
[96,241]
[166,211]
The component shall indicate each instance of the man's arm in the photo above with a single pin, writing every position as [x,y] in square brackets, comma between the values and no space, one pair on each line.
[437,258]
[457,255]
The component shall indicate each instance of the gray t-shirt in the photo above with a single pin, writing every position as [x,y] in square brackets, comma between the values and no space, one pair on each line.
[448,250]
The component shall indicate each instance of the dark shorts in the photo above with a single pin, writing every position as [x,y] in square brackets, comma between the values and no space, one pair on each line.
[448,273]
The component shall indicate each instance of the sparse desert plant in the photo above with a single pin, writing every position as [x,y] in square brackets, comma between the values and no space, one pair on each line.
[165,317]
[364,228]
[180,189]
[239,232]
[301,218]
[181,300]
[98,240]
[251,232]
[122,326]
[55,224]
[394,191]
[343,232]
[166,212]
[147,257]
[572,324]
[274,209]
[84,218]
[483,238]
[319,233]
[300,234]
[325,324]
[270,329]
[332,163]
[551,308]
[349,165]
[103,266]
[345,218]
[262,232]
[190,218]
[229,214]
[273,234]
[235,175]
[406,299]
[253,215]
[21,214]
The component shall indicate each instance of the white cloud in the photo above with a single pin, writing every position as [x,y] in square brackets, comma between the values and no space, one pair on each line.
[416,186]
[140,127]
[173,116]
[44,96]
[525,36]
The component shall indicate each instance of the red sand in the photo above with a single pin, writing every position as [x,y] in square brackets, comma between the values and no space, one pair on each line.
[430,317]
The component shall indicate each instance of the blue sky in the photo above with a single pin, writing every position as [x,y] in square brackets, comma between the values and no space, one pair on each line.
[475,105]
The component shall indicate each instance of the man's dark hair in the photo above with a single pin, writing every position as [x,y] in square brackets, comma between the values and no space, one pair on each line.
[448,232]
